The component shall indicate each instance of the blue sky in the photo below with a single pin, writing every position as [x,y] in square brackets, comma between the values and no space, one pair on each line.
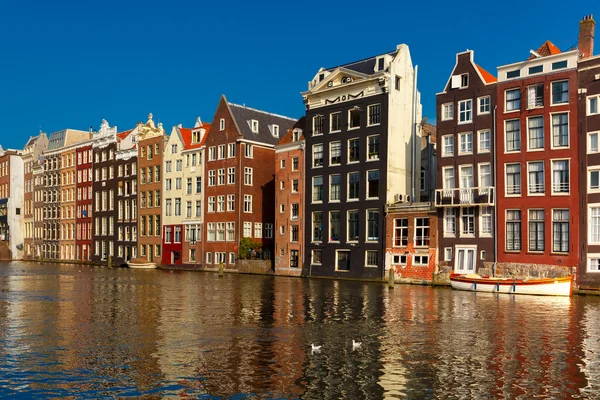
[68,64]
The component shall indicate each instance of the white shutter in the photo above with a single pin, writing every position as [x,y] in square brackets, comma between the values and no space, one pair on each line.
[455,82]
[531,97]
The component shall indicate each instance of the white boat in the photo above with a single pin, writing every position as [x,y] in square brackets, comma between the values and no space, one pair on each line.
[139,263]
[541,286]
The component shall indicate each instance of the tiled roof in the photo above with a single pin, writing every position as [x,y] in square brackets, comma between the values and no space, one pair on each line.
[301,124]
[123,135]
[487,77]
[365,66]
[243,115]
[429,130]
[546,49]
[186,136]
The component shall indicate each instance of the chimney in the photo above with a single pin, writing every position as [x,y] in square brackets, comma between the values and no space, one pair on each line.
[586,36]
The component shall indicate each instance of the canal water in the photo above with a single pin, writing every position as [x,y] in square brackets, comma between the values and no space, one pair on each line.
[69,330]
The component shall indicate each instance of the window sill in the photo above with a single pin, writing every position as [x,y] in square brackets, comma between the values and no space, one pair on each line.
[535,252]
[559,253]
[465,122]
[370,266]
[536,194]
[353,128]
[484,151]
[465,153]
[342,270]
[559,104]
[447,155]
[483,113]
[513,195]
[535,150]
[513,251]
[372,198]
[336,131]
[561,194]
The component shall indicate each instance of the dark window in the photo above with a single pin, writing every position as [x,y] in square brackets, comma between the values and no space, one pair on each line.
[513,74]
[559,65]
[374,114]
[354,118]
[353,150]
[317,221]
[352,225]
[560,231]
[293,258]
[513,230]
[318,188]
[536,70]
[372,225]
[373,147]
[380,64]
[373,184]
[353,185]
[536,230]
[334,225]
[335,122]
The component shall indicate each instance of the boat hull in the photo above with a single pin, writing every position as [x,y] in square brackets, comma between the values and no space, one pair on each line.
[141,265]
[540,287]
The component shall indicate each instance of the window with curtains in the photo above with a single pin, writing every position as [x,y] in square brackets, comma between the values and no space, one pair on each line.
[513,230]
[466,143]
[513,100]
[593,142]
[536,177]
[467,221]
[486,221]
[594,225]
[465,111]
[466,176]
[317,152]
[484,141]
[560,176]
[513,135]
[560,92]
[535,132]
[317,188]
[449,222]
[513,179]
[448,145]
[448,178]
[317,226]
[335,153]
[560,130]
[485,175]
[560,231]
[536,230]
[535,95]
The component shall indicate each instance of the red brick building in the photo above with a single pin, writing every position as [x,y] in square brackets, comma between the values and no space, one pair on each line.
[289,198]
[412,238]
[83,202]
[240,182]
[537,163]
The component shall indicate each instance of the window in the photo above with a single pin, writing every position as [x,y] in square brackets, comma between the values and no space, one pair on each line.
[354,118]
[397,83]
[211,204]
[483,145]
[592,105]
[249,151]
[295,211]
[334,226]
[560,130]
[536,230]
[230,177]
[248,176]
[485,228]
[448,145]
[513,179]
[282,163]
[373,142]
[316,257]
[560,176]
[513,74]
[372,225]
[374,111]
[317,188]
[275,130]
[466,143]
[535,133]
[295,164]
[173,149]
[317,155]
[593,142]
[513,230]
[247,229]
[177,234]
[513,135]
[269,231]
[168,207]
[467,221]
[247,203]
[449,222]
[465,111]
[293,258]
[294,233]
[373,184]
[466,176]
[353,230]
[447,253]
[212,153]
[230,202]
[221,152]
[335,122]
[513,100]
[281,185]
[318,121]
[536,70]
[198,208]
[560,231]
[560,92]
[353,185]
[448,173]
[222,124]
[230,150]
[353,150]
[535,96]
[420,260]
[189,186]
[295,185]
[178,207]
[335,153]
[371,258]
[536,177]
[220,203]
[484,105]
[447,111]
[335,184]
[317,226]
[212,177]
[258,230]
[399,259]
[464,81]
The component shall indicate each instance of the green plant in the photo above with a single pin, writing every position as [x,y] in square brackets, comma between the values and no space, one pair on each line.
[246,246]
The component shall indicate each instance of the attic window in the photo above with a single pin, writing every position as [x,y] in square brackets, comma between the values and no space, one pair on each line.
[536,70]
[254,125]
[222,124]
[275,130]
[321,77]
[380,64]
[464,80]
[196,137]
[460,81]
[296,136]
[513,74]
[559,65]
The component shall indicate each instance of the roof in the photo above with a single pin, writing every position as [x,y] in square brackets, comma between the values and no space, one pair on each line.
[243,115]
[365,66]
[487,77]
[186,136]
[546,49]
[31,141]
[429,130]
[124,134]
[287,138]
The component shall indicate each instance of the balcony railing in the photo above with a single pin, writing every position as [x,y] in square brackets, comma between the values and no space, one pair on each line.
[466,197]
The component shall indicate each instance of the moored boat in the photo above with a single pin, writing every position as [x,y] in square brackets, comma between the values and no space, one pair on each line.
[140,263]
[541,286]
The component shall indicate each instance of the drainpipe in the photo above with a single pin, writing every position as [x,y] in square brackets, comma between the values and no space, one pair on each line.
[414,138]
[493,139]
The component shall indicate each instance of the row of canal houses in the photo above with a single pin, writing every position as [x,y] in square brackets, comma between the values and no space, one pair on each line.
[507,182]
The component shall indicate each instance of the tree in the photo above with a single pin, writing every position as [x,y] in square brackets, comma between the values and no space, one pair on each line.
[247,245]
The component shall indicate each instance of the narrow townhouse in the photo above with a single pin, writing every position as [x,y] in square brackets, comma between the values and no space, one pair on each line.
[84,201]
[151,141]
[240,184]
[289,201]
[537,160]
[465,197]
[52,188]
[38,208]
[67,203]
[126,159]
[11,204]
[104,190]
[31,157]
[362,152]
[588,271]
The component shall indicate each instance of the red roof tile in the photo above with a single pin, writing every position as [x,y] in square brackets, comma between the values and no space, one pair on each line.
[186,136]
[546,49]
[487,77]
[287,138]
[123,135]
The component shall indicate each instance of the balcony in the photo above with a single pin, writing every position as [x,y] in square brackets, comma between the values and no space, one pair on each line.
[465,197]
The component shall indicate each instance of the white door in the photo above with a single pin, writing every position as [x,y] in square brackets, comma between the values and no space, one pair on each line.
[465,260]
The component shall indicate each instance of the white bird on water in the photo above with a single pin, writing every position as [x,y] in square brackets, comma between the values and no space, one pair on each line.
[355,344]
[315,348]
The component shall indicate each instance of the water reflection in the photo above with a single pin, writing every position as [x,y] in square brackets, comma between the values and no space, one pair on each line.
[72,330]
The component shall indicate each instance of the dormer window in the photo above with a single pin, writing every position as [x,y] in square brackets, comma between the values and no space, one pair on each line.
[460,81]
[222,124]
[254,125]
[464,80]
[321,77]
[380,62]
[296,136]
[275,130]
[196,137]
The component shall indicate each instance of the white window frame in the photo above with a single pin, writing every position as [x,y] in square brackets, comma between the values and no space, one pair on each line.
[367,265]
[589,141]
[552,161]
[480,218]
[446,217]
[460,137]
[467,110]
[552,146]
[590,257]
[480,103]
[479,135]
[331,130]
[444,138]
[552,103]
[529,192]
[506,110]
[595,168]
[465,248]
[420,257]
[447,111]
[520,180]
[588,104]
[506,151]
[448,254]
[530,149]
[222,124]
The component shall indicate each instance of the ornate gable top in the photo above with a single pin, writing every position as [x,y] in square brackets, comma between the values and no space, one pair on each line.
[149,130]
